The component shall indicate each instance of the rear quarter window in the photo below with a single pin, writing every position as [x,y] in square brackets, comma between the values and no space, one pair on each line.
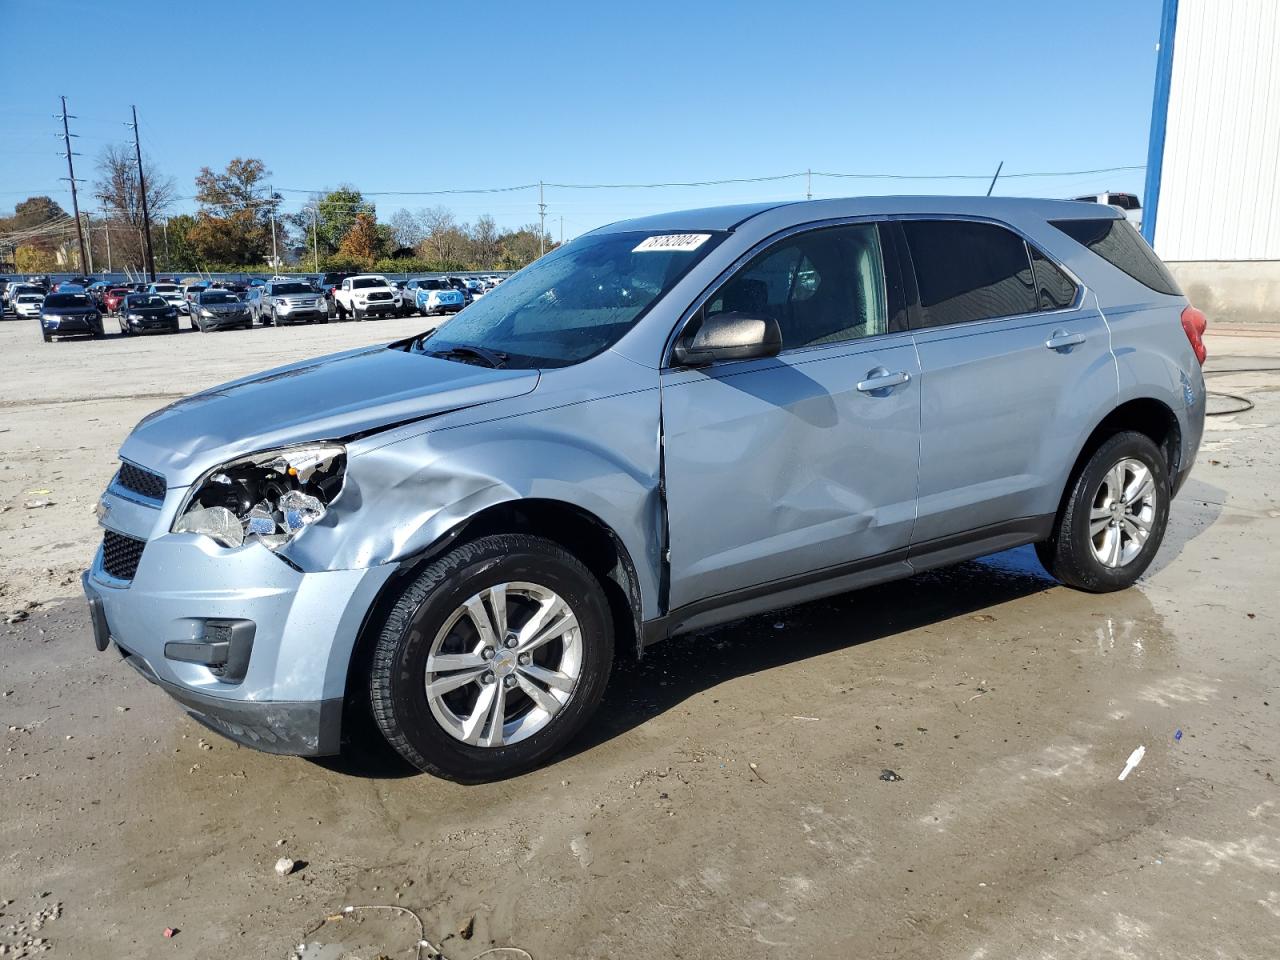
[1118,243]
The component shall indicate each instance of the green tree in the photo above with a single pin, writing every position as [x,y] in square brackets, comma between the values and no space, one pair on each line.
[182,252]
[32,259]
[335,213]
[234,221]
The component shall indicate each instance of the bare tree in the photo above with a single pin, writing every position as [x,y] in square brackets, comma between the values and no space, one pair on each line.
[446,244]
[407,228]
[486,242]
[119,194]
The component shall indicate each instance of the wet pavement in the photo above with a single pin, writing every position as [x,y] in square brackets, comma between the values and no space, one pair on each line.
[731,800]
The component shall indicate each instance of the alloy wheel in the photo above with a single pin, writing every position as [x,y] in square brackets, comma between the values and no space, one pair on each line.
[504,664]
[1123,513]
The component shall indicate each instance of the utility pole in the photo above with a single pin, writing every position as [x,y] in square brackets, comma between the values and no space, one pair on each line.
[107,230]
[168,263]
[142,189]
[542,216]
[71,176]
[315,241]
[271,208]
[995,178]
[88,228]
[808,184]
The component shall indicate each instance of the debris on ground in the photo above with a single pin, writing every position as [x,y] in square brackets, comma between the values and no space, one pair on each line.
[17,616]
[1135,758]
[983,618]
[170,932]
[424,947]
[285,866]
[37,504]
[468,928]
[891,776]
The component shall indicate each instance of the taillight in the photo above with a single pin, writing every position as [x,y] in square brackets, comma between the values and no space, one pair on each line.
[1194,325]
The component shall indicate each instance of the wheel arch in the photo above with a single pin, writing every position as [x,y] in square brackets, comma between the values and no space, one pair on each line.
[573,527]
[1146,415]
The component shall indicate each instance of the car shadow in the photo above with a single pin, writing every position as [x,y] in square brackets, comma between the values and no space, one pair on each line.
[675,670]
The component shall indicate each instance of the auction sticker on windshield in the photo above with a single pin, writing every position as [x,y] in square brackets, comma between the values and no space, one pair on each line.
[672,242]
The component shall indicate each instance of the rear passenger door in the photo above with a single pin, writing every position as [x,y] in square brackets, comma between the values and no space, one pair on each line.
[1015,363]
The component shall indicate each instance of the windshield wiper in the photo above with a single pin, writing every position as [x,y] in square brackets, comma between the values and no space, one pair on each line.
[463,354]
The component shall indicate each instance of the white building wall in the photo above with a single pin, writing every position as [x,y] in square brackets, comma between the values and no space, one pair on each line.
[1220,183]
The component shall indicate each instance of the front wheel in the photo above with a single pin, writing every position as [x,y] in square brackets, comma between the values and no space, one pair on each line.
[492,658]
[1114,518]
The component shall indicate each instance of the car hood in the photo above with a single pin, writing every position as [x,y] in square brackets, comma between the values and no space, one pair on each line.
[328,398]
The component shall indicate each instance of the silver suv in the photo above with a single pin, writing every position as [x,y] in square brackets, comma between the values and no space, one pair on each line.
[666,424]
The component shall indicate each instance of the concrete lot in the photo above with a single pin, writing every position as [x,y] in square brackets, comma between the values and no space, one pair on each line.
[1007,704]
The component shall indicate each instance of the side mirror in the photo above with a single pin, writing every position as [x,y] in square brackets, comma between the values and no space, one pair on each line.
[730,336]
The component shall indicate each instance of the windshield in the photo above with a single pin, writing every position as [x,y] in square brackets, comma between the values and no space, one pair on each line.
[145,300]
[363,282]
[218,298]
[29,298]
[66,300]
[279,288]
[576,301]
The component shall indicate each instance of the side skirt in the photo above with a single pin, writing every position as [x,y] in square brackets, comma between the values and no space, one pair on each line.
[830,581]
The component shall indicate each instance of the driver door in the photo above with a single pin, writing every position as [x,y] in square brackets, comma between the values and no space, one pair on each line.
[797,467]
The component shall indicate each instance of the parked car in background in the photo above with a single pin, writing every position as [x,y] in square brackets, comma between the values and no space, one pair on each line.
[70,314]
[147,313]
[97,290]
[27,305]
[191,290]
[277,302]
[329,281]
[66,286]
[366,295]
[111,301]
[18,289]
[171,292]
[219,310]
[1127,202]
[460,285]
[430,296]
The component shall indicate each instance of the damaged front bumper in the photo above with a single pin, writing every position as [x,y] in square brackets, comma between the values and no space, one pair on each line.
[250,645]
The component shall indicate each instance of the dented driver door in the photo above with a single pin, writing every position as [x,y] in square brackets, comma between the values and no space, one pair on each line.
[782,467]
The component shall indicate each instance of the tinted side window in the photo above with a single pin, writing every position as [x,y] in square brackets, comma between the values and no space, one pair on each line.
[1116,242]
[969,271]
[1054,289]
[824,286]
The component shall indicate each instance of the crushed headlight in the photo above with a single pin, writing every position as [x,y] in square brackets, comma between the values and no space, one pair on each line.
[272,495]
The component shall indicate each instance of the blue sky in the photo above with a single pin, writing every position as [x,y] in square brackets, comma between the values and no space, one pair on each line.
[401,96]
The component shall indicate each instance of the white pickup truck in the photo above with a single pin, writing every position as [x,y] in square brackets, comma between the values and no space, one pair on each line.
[366,295]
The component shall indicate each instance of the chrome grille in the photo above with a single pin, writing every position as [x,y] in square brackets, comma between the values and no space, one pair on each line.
[121,554]
[141,481]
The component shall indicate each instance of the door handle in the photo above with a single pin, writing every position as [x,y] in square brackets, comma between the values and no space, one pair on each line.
[881,379]
[1061,340]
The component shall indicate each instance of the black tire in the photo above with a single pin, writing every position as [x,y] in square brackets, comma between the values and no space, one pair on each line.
[396,677]
[1069,555]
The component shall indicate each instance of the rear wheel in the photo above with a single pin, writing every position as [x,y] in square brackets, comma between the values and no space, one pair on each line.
[1114,519]
[492,659]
